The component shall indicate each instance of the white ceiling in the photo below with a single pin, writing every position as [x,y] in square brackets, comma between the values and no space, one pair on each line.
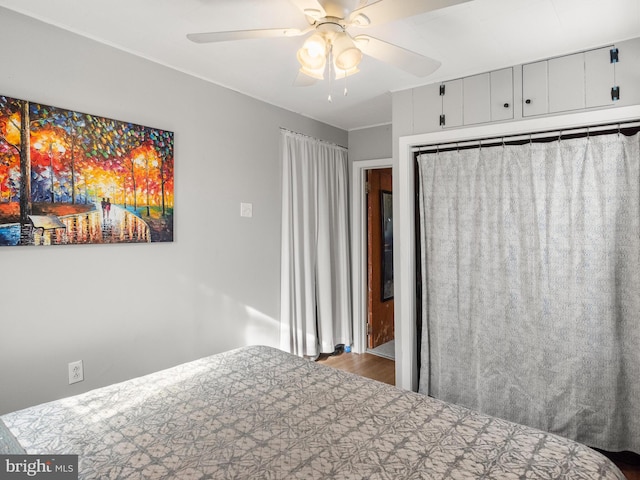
[468,38]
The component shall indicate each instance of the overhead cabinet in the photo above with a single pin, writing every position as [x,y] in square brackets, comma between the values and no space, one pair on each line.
[483,98]
[597,78]
[571,82]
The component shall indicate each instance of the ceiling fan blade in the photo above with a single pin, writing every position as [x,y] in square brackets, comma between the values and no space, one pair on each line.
[386,11]
[311,8]
[399,57]
[210,37]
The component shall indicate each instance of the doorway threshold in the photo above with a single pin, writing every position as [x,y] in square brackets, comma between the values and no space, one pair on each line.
[386,350]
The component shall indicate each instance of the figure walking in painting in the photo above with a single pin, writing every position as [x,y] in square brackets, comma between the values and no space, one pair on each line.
[103,204]
[107,207]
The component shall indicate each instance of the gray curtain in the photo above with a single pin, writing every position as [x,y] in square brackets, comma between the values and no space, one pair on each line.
[531,285]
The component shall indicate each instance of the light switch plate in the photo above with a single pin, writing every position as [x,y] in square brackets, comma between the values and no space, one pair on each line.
[246,210]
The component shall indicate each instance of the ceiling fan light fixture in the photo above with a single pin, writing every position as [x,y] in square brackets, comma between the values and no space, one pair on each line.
[313,54]
[345,53]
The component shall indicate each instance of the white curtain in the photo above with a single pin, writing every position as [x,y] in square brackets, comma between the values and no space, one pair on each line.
[531,285]
[315,274]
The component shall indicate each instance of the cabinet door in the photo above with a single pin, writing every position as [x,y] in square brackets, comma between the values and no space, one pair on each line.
[535,89]
[599,77]
[502,94]
[427,108]
[566,83]
[402,113]
[477,99]
[628,72]
[452,103]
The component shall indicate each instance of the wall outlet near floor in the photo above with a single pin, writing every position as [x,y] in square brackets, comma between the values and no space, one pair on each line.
[76,372]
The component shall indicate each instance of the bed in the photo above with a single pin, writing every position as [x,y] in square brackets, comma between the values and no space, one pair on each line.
[257,412]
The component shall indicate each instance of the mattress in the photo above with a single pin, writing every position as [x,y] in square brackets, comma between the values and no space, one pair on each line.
[257,412]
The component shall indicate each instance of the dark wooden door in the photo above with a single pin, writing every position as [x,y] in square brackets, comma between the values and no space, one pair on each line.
[379,257]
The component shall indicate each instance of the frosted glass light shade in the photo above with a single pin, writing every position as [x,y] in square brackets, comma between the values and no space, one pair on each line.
[313,54]
[346,55]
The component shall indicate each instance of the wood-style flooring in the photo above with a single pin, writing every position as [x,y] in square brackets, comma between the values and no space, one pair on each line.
[383,370]
[366,365]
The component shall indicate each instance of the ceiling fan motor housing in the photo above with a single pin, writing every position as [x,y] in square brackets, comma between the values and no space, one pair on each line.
[339,8]
[329,25]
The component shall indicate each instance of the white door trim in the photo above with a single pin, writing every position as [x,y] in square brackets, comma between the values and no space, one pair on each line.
[358,247]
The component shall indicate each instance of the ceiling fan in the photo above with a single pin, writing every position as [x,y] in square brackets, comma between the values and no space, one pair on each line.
[331,47]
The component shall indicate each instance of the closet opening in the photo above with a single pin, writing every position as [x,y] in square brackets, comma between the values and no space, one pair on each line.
[529,278]
[406,248]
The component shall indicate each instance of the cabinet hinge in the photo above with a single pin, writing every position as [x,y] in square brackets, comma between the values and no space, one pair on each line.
[442,120]
[613,55]
[615,94]
[442,89]
[367,187]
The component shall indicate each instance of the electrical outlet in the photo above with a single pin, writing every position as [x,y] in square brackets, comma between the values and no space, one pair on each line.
[76,372]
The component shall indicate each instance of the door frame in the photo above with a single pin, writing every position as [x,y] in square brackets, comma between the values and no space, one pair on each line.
[359,246]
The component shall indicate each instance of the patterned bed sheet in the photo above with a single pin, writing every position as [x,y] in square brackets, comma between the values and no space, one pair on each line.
[257,412]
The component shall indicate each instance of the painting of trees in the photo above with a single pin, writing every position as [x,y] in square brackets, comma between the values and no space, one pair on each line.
[61,163]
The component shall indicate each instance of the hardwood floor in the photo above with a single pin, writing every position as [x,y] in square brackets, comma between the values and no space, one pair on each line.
[383,370]
[365,364]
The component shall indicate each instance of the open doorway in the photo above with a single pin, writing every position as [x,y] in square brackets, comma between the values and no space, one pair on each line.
[380,308]
[360,255]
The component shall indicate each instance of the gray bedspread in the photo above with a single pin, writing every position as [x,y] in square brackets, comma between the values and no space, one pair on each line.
[257,412]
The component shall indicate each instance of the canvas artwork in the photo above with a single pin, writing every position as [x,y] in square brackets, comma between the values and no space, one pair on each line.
[73,178]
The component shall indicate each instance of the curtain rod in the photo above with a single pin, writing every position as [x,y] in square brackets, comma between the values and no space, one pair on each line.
[312,138]
[626,128]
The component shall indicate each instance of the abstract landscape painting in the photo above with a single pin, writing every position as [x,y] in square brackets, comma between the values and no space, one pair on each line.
[73,178]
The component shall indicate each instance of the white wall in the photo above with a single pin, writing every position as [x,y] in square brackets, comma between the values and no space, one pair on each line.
[370,143]
[126,310]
